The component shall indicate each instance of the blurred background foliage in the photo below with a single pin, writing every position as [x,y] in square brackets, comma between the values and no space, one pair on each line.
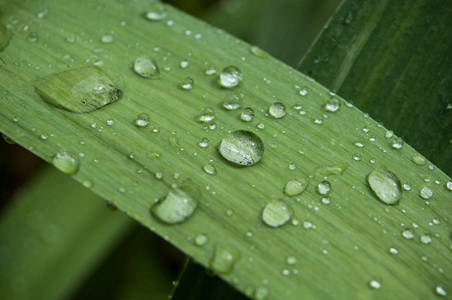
[139,264]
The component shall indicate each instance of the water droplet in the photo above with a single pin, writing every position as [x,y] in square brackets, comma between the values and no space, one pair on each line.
[426,193]
[232,101]
[397,143]
[82,89]
[385,185]
[374,284]
[419,160]
[204,143]
[207,115]
[426,239]
[333,105]
[277,213]
[146,67]
[261,126]
[296,187]
[159,175]
[4,39]
[291,260]
[389,134]
[393,251]
[277,110]
[179,204]
[157,11]
[230,77]
[66,162]
[440,290]
[259,52]
[201,240]
[187,84]
[247,114]
[303,91]
[142,120]
[242,147]
[7,139]
[408,234]
[261,293]
[110,122]
[337,169]
[33,37]
[449,185]
[153,155]
[107,39]
[210,169]
[184,64]
[224,258]
[173,141]
[210,71]
[323,188]
[307,225]
[357,157]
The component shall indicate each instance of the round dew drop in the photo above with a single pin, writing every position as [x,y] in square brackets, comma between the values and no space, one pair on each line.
[296,187]
[224,258]
[178,205]
[277,213]
[66,162]
[230,77]
[408,234]
[385,185]
[426,193]
[146,67]
[207,115]
[333,105]
[210,169]
[157,12]
[247,114]
[201,240]
[232,102]
[323,188]
[142,120]
[277,110]
[242,147]
[259,52]
[187,84]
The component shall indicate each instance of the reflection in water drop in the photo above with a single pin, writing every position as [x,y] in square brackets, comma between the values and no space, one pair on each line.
[66,162]
[224,258]
[276,213]
[230,77]
[242,147]
[385,185]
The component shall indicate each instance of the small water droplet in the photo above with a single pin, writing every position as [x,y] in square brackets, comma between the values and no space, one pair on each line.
[261,126]
[357,157]
[397,143]
[159,175]
[224,258]
[419,160]
[110,122]
[210,71]
[333,105]
[277,110]
[389,134]
[173,141]
[66,162]
[232,101]
[374,284]
[277,213]
[207,115]
[408,234]
[187,83]
[153,155]
[179,204]
[201,240]
[323,188]
[87,183]
[80,90]
[393,251]
[385,185]
[184,64]
[247,114]
[259,52]
[107,39]
[242,147]
[156,12]
[449,185]
[336,169]
[230,77]
[142,120]
[426,239]
[440,290]
[210,169]
[426,193]
[303,91]
[261,293]
[291,260]
[204,143]
[33,37]
[146,67]
[296,187]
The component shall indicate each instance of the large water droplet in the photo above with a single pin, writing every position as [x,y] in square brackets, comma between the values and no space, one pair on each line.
[224,258]
[179,204]
[232,101]
[333,105]
[156,12]
[142,120]
[276,213]
[247,114]
[296,187]
[242,147]
[66,162]
[385,185]
[426,193]
[81,90]
[4,39]
[230,77]
[146,67]
[277,110]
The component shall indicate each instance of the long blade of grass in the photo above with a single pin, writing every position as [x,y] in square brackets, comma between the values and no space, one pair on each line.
[339,248]
[52,236]
[392,59]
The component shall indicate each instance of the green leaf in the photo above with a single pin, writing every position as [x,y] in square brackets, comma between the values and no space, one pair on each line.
[392,59]
[335,244]
[53,235]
